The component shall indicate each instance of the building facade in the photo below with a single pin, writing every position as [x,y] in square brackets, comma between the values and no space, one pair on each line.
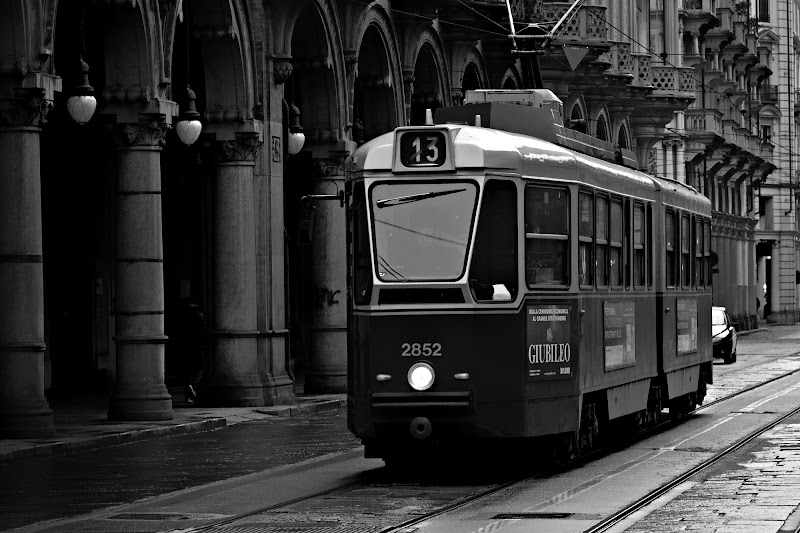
[131,262]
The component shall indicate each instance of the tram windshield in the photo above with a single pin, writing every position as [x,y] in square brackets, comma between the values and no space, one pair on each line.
[422,229]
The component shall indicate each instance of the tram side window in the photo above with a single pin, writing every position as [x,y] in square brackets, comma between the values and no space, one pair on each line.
[585,235]
[494,261]
[707,250]
[638,245]
[649,243]
[362,262]
[698,252]
[601,244]
[685,241]
[615,249]
[546,235]
[669,235]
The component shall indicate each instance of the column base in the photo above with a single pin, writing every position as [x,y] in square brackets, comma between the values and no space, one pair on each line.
[141,405]
[326,382]
[279,391]
[27,421]
[222,394]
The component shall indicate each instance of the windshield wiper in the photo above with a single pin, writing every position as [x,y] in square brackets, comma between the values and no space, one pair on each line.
[414,197]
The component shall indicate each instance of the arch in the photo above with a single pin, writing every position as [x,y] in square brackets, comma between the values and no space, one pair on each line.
[511,79]
[471,80]
[624,137]
[377,22]
[601,128]
[428,92]
[326,120]
[576,116]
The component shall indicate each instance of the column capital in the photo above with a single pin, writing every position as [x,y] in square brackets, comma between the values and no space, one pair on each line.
[151,130]
[242,149]
[28,108]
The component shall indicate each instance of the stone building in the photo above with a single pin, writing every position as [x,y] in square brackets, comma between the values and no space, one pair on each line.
[132,262]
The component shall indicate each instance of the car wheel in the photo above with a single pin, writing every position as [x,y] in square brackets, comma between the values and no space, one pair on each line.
[729,358]
[733,356]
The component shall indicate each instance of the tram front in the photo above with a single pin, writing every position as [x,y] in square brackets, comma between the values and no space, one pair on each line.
[434,322]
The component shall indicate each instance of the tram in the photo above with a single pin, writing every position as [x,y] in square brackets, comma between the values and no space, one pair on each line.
[513,281]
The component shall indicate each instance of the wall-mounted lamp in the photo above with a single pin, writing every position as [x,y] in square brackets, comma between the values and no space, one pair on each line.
[189,127]
[296,136]
[81,104]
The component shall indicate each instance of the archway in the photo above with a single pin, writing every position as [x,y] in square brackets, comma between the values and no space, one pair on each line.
[471,81]
[427,86]
[374,98]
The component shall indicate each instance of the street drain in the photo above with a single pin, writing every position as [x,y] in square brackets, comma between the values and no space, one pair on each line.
[520,516]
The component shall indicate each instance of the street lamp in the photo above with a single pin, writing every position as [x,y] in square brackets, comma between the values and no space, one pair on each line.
[189,126]
[81,104]
[296,138]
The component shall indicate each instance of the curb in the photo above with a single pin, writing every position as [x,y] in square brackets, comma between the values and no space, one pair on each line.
[303,408]
[65,446]
[122,437]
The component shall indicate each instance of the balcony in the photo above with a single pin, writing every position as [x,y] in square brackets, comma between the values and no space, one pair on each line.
[587,28]
[678,81]
[704,121]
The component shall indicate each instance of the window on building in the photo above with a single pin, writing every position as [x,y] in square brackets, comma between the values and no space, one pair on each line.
[546,235]
[766,134]
[585,237]
[671,247]
[601,240]
[638,245]
[763,10]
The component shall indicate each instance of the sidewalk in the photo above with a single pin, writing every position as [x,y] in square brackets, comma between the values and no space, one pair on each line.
[82,423]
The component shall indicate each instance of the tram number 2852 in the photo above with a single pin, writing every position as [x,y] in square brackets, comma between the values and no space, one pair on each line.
[425,349]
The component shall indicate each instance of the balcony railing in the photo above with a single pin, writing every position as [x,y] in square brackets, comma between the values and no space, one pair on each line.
[704,120]
[673,79]
[588,24]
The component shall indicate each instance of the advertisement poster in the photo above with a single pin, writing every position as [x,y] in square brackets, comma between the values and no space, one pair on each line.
[619,334]
[687,326]
[550,354]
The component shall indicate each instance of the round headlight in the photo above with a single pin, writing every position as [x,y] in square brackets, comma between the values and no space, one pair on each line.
[421,376]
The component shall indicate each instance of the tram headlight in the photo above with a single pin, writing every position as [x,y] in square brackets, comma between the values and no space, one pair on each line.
[421,376]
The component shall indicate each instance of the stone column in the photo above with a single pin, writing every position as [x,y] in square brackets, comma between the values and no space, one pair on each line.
[24,411]
[327,370]
[140,392]
[236,379]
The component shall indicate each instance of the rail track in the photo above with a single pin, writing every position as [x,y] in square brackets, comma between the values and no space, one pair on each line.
[366,505]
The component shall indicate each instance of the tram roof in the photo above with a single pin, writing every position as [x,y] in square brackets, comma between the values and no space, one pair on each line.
[500,151]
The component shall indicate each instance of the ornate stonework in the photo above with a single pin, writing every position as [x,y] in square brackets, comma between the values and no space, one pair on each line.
[28,108]
[282,69]
[244,148]
[151,130]
[332,166]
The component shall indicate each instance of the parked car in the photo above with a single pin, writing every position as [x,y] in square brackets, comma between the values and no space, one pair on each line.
[723,335]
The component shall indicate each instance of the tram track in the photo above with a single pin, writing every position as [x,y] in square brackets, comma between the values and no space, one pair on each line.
[379,480]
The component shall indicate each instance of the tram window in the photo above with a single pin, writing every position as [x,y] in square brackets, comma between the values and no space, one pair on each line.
[707,250]
[615,249]
[698,252]
[585,234]
[669,235]
[601,243]
[685,240]
[638,245]
[494,261]
[649,245]
[546,236]
[362,263]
